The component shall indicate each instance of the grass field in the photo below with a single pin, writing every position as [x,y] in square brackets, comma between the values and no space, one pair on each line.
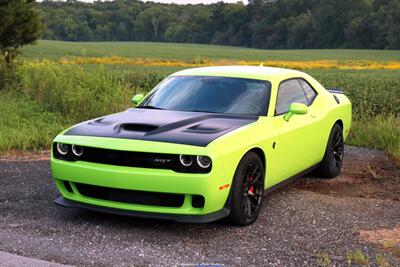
[49,94]
[188,52]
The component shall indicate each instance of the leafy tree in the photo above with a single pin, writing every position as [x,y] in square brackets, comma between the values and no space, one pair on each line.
[153,22]
[394,25]
[20,24]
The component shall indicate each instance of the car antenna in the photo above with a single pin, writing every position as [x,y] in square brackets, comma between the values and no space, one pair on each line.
[261,64]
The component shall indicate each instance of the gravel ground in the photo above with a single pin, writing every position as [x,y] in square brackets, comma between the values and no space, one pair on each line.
[297,225]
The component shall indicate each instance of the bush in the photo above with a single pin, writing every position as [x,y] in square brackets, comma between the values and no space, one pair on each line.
[80,94]
[380,132]
[72,91]
[25,124]
[372,93]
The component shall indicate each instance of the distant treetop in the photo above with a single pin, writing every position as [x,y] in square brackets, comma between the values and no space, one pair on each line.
[283,24]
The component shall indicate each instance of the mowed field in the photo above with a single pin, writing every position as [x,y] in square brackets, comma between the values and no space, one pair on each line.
[187,52]
[58,84]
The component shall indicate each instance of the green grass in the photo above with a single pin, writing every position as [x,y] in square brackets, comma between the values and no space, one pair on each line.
[380,132]
[47,97]
[26,125]
[73,91]
[187,52]
[357,257]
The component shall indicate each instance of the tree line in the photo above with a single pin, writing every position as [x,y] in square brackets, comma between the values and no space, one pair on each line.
[279,24]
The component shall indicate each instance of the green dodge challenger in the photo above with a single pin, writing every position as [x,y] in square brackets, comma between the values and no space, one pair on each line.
[204,145]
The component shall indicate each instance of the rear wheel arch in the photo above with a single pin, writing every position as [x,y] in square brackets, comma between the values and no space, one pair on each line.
[338,122]
[331,163]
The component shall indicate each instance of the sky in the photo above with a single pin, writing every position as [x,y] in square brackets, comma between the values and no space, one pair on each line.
[188,1]
[198,1]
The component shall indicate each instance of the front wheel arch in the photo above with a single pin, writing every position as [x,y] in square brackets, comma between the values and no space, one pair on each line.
[260,153]
[340,122]
[240,182]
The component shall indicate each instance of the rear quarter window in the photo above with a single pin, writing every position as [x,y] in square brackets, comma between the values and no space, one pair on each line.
[308,91]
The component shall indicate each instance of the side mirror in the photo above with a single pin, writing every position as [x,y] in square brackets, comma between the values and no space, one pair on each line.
[137,99]
[296,108]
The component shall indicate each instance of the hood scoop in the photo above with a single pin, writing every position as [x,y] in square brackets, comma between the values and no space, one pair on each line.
[101,122]
[204,128]
[138,127]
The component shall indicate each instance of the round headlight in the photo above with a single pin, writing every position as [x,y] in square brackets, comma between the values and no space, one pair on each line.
[204,161]
[62,148]
[186,160]
[77,150]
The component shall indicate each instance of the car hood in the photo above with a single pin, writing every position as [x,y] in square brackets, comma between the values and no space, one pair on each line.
[181,127]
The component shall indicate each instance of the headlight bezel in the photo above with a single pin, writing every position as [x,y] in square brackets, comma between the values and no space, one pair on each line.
[186,160]
[199,160]
[77,150]
[60,150]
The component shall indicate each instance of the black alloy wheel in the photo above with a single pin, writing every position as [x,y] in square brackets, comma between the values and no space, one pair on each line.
[332,162]
[246,197]
[252,189]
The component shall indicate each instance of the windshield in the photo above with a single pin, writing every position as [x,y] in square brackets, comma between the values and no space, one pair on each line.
[210,94]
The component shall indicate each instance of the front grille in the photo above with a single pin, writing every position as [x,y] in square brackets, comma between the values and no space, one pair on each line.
[131,196]
[127,158]
[131,159]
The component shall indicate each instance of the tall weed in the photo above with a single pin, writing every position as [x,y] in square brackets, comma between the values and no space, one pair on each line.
[25,124]
[72,91]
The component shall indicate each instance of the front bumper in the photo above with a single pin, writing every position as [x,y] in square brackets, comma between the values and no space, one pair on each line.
[213,187]
[214,216]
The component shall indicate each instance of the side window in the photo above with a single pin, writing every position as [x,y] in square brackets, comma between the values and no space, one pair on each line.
[308,91]
[289,92]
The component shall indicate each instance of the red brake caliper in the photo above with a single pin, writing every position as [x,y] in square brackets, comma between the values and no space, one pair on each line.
[251,189]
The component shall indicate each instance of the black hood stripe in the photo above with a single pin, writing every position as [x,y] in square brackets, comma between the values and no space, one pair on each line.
[180,127]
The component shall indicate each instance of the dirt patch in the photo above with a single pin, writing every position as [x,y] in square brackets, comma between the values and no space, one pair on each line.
[26,156]
[389,239]
[366,173]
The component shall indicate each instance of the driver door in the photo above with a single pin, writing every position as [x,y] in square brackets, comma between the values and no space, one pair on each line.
[295,149]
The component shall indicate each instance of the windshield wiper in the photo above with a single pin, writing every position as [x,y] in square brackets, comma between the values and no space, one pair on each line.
[149,107]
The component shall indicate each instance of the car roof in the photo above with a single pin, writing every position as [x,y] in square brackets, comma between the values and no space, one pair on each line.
[249,72]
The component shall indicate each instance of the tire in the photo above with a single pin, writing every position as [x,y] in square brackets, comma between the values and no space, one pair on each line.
[247,191]
[331,164]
